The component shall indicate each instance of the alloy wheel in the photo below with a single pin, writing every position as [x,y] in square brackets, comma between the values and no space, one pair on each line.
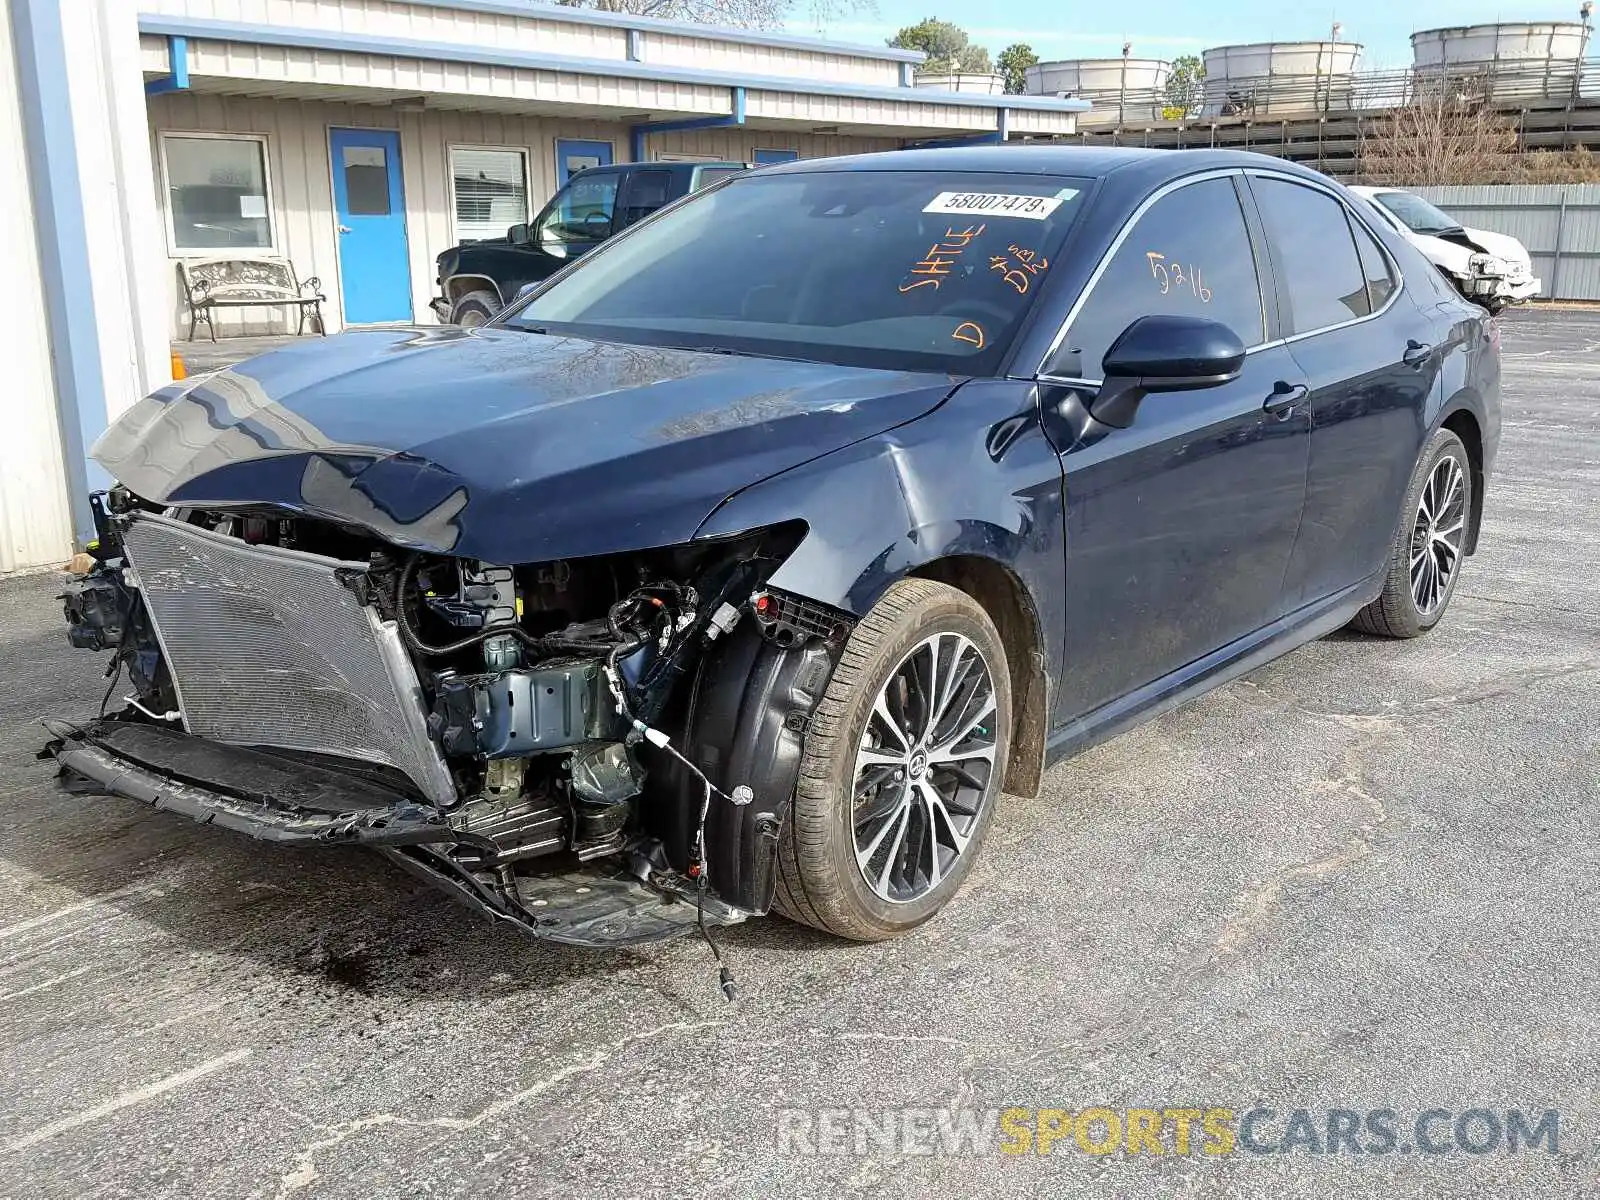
[1437,535]
[924,767]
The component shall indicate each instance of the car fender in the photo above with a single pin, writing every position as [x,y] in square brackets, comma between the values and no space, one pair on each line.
[1446,255]
[974,478]
[457,286]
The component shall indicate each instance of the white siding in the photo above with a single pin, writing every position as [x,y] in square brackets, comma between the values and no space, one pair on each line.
[542,31]
[918,119]
[301,202]
[35,523]
[740,145]
[779,61]
[466,84]
[302,197]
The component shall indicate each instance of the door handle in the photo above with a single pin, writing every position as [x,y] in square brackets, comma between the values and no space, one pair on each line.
[1416,353]
[1284,397]
[344,229]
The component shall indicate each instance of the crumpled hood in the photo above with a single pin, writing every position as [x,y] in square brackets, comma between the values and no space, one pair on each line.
[1455,254]
[1500,245]
[496,444]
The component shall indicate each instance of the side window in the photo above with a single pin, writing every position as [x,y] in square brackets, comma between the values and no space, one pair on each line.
[1318,269]
[582,214]
[1189,253]
[1374,265]
[644,192]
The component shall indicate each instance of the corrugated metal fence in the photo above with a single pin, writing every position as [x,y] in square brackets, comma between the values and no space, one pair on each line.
[1559,223]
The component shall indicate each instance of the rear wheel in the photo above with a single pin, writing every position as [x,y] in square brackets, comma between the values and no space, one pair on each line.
[474,308]
[1425,558]
[902,767]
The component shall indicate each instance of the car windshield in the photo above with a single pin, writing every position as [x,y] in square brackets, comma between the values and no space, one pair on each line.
[913,270]
[1416,214]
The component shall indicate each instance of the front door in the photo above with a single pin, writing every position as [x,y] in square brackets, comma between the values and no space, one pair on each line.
[1180,526]
[369,201]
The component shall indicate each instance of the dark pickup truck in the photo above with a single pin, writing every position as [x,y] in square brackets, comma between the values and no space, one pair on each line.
[478,279]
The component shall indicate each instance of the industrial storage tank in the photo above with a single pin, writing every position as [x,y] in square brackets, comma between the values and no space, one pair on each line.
[1280,79]
[1512,60]
[1121,89]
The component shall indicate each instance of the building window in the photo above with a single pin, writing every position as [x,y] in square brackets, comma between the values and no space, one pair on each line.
[217,196]
[490,189]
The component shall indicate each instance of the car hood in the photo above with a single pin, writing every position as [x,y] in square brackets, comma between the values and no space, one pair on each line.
[496,444]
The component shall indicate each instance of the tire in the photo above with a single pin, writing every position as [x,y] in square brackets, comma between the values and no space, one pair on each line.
[820,881]
[474,308]
[1398,612]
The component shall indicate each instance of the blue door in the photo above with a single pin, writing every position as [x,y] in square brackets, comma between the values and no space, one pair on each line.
[370,201]
[573,156]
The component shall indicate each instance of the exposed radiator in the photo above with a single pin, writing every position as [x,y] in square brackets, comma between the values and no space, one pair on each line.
[268,648]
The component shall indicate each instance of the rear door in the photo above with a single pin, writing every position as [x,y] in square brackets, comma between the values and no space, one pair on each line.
[1179,527]
[1364,347]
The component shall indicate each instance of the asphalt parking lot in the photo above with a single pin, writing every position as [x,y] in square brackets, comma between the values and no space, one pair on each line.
[1362,878]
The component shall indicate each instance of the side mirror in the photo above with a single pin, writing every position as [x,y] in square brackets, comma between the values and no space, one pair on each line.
[524,290]
[519,235]
[1164,353]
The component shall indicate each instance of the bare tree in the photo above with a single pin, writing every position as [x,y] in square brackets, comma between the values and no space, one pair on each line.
[1439,138]
[747,14]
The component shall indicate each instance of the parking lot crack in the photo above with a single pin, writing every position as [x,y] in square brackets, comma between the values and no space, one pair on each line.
[304,1172]
[1258,903]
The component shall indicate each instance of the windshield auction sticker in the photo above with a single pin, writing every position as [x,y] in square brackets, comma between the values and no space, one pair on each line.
[994,204]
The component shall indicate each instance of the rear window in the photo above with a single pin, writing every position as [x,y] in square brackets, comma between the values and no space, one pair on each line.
[897,269]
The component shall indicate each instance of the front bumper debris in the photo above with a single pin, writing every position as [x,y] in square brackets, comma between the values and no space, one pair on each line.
[274,798]
[253,792]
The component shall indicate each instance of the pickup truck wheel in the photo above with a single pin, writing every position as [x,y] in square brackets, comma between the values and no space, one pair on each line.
[902,767]
[474,308]
[1425,557]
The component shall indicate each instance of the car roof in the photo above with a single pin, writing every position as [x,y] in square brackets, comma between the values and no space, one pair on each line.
[1083,161]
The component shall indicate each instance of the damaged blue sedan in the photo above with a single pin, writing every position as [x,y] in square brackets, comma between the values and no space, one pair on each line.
[742,564]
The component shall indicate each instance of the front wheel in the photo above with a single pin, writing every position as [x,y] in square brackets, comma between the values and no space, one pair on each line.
[902,767]
[474,309]
[1425,558]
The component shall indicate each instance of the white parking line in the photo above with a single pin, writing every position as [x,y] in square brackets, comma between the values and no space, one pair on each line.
[46,918]
[126,1100]
[46,985]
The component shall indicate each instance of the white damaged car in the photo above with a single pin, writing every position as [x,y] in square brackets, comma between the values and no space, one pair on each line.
[1491,269]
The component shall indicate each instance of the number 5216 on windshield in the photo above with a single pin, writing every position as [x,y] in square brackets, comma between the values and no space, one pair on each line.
[1174,275]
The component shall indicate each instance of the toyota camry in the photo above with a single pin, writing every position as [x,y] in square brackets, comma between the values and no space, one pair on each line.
[744,563]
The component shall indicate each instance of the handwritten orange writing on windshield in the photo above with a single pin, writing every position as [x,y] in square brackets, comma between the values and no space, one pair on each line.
[1018,267]
[971,333]
[941,256]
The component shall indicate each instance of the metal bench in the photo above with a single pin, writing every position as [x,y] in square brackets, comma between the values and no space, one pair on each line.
[243,282]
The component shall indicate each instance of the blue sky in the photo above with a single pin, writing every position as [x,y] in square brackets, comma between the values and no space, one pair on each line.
[1165,30]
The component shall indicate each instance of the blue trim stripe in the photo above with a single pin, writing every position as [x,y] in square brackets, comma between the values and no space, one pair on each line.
[63,240]
[714,33]
[637,133]
[357,43]
[177,64]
